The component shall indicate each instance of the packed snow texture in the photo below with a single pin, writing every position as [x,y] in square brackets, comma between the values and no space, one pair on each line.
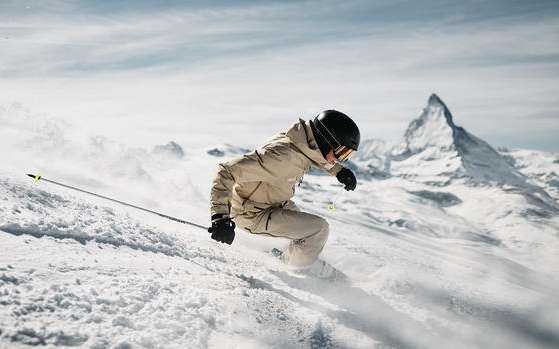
[446,243]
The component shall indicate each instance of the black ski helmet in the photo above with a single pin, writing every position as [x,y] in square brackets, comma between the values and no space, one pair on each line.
[337,129]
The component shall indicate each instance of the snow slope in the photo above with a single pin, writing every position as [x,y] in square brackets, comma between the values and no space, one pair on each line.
[541,168]
[444,242]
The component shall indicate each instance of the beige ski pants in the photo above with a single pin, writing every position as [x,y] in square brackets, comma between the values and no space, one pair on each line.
[308,232]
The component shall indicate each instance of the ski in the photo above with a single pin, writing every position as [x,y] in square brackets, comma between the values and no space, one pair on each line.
[319,269]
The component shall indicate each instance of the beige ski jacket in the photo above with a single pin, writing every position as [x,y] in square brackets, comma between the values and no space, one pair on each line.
[267,176]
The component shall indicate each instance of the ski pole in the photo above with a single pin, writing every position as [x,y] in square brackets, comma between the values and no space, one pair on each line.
[331,207]
[39,177]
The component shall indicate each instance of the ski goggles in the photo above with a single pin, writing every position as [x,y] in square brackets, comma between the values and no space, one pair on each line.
[342,153]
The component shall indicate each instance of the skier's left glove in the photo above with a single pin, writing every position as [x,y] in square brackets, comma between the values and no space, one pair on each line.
[222,229]
[345,176]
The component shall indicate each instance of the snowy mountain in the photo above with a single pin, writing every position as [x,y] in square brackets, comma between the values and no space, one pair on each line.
[444,161]
[434,136]
[541,168]
[446,243]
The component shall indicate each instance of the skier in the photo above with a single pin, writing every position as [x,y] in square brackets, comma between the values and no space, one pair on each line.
[253,191]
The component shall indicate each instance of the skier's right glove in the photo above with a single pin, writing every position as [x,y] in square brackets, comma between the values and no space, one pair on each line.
[222,229]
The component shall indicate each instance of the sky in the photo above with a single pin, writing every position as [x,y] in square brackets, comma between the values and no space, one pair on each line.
[209,72]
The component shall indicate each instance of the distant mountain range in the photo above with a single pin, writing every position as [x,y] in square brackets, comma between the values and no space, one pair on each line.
[436,152]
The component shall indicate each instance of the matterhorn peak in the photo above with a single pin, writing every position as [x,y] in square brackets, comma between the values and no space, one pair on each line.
[433,127]
[436,102]
[433,135]
[434,99]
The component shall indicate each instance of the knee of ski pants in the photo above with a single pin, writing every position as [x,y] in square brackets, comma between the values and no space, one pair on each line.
[323,231]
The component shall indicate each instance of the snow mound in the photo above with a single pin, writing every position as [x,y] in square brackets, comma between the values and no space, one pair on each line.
[43,214]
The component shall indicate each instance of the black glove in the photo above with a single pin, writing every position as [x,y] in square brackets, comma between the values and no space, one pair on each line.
[222,229]
[345,176]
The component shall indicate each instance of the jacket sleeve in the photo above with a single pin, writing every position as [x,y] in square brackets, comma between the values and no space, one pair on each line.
[334,169]
[262,165]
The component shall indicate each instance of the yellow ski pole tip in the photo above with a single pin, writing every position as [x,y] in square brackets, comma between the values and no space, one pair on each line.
[331,208]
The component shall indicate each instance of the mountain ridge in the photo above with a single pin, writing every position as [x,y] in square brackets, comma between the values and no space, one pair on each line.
[436,152]
[435,133]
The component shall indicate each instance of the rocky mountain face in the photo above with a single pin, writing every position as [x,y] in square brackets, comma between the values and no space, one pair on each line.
[437,153]
[435,136]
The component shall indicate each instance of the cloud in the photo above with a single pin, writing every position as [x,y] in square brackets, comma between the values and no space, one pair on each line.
[273,61]
[112,36]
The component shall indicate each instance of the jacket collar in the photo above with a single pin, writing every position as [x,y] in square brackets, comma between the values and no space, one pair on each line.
[301,136]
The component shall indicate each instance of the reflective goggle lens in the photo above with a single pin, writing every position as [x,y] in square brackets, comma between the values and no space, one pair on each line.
[343,152]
